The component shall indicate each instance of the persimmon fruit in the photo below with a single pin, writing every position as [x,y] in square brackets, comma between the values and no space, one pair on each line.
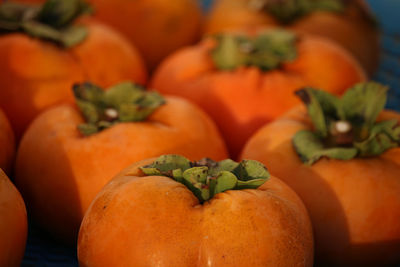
[13,224]
[348,23]
[66,156]
[209,214]
[245,80]
[344,163]
[156,27]
[37,69]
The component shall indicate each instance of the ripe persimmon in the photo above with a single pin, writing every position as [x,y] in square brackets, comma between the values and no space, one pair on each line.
[42,57]
[346,22]
[66,157]
[156,27]
[7,144]
[345,165]
[174,212]
[13,224]
[244,81]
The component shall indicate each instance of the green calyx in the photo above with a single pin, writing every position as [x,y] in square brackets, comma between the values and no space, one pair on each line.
[267,51]
[51,21]
[287,11]
[206,178]
[346,127]
[124,102]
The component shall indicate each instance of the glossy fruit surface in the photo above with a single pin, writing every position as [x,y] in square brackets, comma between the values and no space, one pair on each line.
[154,220]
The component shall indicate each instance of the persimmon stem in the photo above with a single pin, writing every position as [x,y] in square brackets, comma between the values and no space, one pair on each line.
[346,128]
[52,21]
[124,102]
[206,178]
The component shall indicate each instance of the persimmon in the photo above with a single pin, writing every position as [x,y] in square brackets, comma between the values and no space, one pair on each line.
[7,144]
[244,81]
[44,50]
[156,27]
[345,165]
[66,156]
[13,224]
[173,212]
[346,22]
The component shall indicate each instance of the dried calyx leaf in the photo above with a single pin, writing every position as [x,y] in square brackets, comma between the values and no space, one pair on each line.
[124,102]
[51,21]
[287,11]
[267,51]
[345,128]
[206,178]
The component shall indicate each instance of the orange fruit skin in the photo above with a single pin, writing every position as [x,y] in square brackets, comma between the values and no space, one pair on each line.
[156,221]
[352,29]
[156,27]
[243,100]
[354,205]
[13,224]
[59,171]
[35,74]
[7,144]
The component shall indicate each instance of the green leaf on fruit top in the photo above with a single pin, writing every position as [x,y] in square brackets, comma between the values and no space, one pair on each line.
[206,178]
[346,127]
[287,11]
[125,102]
[267,51]
[52,21]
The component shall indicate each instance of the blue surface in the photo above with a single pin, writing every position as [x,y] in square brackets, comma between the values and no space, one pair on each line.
[43,251]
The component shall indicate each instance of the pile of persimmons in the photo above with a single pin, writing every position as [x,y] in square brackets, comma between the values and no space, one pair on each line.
[146,133]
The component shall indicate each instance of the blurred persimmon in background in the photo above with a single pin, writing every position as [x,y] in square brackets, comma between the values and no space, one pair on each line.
[348,23]
[156,27]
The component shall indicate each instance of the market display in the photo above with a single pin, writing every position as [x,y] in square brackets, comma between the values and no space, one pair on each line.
[155,133]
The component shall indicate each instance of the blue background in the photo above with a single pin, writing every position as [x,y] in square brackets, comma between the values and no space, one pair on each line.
[42,251]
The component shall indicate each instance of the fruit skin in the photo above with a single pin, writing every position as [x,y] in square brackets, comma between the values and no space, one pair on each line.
[59,171]
[243,100]
[352,29]
[13,224]
[7,144]
[36,74]
[162,26]
[354,205]
[147,221]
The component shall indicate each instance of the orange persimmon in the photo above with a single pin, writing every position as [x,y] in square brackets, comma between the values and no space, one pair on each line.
[139,220]
[36,73]
[346,22]
[348,180]
[7,144]
[244,81]
[13,224]
[156,27]
[63,162]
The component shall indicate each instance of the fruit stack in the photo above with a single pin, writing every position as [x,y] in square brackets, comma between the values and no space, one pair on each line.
[152,133]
